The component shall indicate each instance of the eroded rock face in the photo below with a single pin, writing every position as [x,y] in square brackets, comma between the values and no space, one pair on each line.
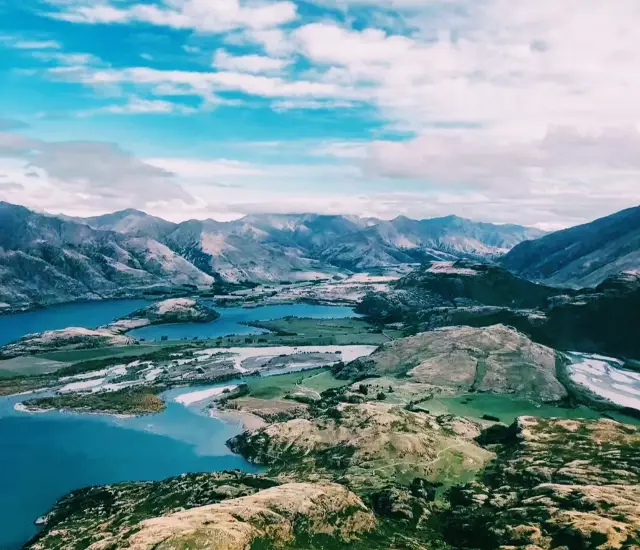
[366,445]
[556,483]
[496,359]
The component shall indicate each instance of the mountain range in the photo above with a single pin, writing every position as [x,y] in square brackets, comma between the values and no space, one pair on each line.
[272,247]
[46,259]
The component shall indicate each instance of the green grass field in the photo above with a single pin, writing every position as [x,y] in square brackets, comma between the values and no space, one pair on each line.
[324,331]
[71,356]
[274,387]
[28,366]
[508,408]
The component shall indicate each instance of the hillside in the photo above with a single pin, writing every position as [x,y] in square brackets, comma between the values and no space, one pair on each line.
[581,256]
[45,260]
[131,222]
[442,294]
[453,360]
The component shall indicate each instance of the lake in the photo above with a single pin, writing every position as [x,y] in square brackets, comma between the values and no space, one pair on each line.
[94,314]
[231,319]
[76,314]
[45,456]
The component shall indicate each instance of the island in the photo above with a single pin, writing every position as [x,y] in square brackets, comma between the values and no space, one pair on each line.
[174,310]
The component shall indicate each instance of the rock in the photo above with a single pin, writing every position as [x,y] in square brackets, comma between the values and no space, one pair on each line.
[555,483]
[396,503]
[175,310]
[106,512]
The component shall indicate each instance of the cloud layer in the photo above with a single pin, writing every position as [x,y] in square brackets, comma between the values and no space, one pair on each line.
[505,110]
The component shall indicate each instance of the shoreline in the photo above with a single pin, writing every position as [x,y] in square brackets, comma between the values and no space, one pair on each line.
[22,408]
[249,421]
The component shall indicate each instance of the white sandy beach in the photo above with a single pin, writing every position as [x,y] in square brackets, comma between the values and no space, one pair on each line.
[201,395]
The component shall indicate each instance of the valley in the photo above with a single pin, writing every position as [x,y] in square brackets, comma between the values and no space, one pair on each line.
[402,401]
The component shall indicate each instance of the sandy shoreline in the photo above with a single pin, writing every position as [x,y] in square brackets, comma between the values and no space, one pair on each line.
[248,420]
[201,395]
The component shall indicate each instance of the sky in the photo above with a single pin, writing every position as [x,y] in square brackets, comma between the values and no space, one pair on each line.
[507,111]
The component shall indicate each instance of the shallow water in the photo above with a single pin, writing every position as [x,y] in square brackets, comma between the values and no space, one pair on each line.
[231,318]
[44,456]
[98,313]
[606,377]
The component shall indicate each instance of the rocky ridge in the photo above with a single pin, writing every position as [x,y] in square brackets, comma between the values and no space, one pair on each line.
[496,359]
[555,483]
[366,446]
[278,515]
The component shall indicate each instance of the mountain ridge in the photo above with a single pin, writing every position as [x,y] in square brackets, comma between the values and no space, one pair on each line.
[45,259]
[581,256]
[315,245]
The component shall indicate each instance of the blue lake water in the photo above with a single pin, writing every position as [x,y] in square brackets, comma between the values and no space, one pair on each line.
[94,314]
[77,314]
[45,456]
[231,318]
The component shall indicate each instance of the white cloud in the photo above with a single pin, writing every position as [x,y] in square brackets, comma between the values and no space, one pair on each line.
[203,169]
[137,106]
[204,84]
[528,108]
[37,45]
[82,175]
[201,15]
[309,104]
[273,41]
[248,63]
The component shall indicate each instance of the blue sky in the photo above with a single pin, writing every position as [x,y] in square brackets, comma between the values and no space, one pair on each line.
[499,110]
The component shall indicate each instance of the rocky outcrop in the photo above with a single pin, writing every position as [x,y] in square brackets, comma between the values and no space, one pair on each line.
[279,515]
[496,359]
[556,483]
[175,310]
[366,446]
[111,511]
